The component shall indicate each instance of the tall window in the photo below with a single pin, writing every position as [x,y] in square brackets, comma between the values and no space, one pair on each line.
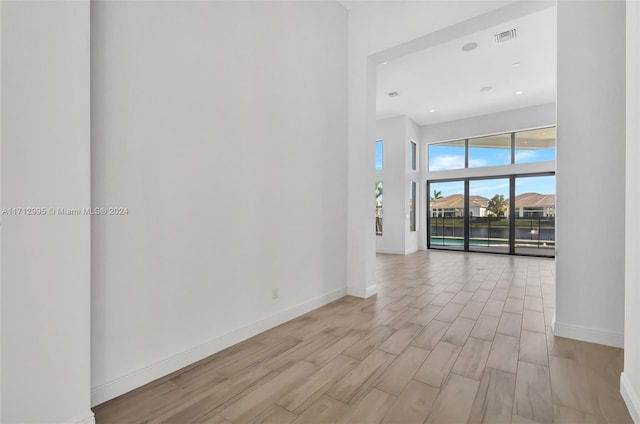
[508,210]
[412,206]
[412,156]
[378,208]
[379,146]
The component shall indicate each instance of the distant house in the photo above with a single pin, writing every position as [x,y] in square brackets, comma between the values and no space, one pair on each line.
[535,205]
[527,205]
[453,206]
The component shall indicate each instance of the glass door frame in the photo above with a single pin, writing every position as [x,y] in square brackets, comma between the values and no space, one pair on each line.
[512,211]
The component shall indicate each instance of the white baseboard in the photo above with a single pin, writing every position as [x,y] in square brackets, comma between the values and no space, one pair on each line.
[89,418]
[370,291]
[586,334]
[390,252]
[358,292]
[126,383]
[397,252]
[630,397]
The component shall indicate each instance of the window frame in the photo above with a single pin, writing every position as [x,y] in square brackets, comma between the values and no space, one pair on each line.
[512,162]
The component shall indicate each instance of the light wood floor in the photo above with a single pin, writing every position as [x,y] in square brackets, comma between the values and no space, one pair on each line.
[449,338]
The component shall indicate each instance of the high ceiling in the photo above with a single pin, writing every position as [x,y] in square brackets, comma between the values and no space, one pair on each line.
[352,4]
[448,80]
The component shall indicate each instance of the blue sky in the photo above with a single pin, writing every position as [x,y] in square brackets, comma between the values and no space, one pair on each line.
[379,154]
[452,157]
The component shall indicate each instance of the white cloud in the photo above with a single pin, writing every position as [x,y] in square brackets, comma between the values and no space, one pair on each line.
[525,155]
[444,162]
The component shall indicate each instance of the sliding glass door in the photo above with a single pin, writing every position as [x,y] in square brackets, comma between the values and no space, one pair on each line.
[446,215]
[512,215]
[535,215]
[489,215]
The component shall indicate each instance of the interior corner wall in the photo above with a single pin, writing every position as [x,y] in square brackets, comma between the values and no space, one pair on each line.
[397,134]
[590,258]
[45,165]
[392,132]
[630,381]
[221,127]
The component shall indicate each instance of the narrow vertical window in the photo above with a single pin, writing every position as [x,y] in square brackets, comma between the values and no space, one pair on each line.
[378,208]
[412,156]
[412,206]
[379,144]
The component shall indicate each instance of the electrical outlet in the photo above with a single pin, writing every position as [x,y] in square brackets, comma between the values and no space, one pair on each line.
[274,293]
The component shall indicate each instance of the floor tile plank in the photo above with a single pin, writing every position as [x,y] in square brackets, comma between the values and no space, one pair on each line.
[371,409]
[361,377]
[402,370]
[494,399]
[455,400]
[436,367]
[472,358]
[414,404]
[533,393]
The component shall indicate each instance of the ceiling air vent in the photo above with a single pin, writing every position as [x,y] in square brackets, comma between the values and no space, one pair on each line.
[505,36]
[393,94]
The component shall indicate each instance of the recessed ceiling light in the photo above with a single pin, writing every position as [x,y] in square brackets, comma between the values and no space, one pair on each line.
[469,46]
[384,63]
[486,88]
[519,92]
[431,110]
[392,94]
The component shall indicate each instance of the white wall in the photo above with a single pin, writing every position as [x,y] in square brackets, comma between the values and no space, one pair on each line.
[397,134]
[45,259]
[412,131]
[222,127]
[0,216]
[590,155]
[630,382]
[493,123]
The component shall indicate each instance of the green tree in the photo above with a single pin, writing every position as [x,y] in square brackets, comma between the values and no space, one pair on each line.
[379,208]
[437,194]
[497,206]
